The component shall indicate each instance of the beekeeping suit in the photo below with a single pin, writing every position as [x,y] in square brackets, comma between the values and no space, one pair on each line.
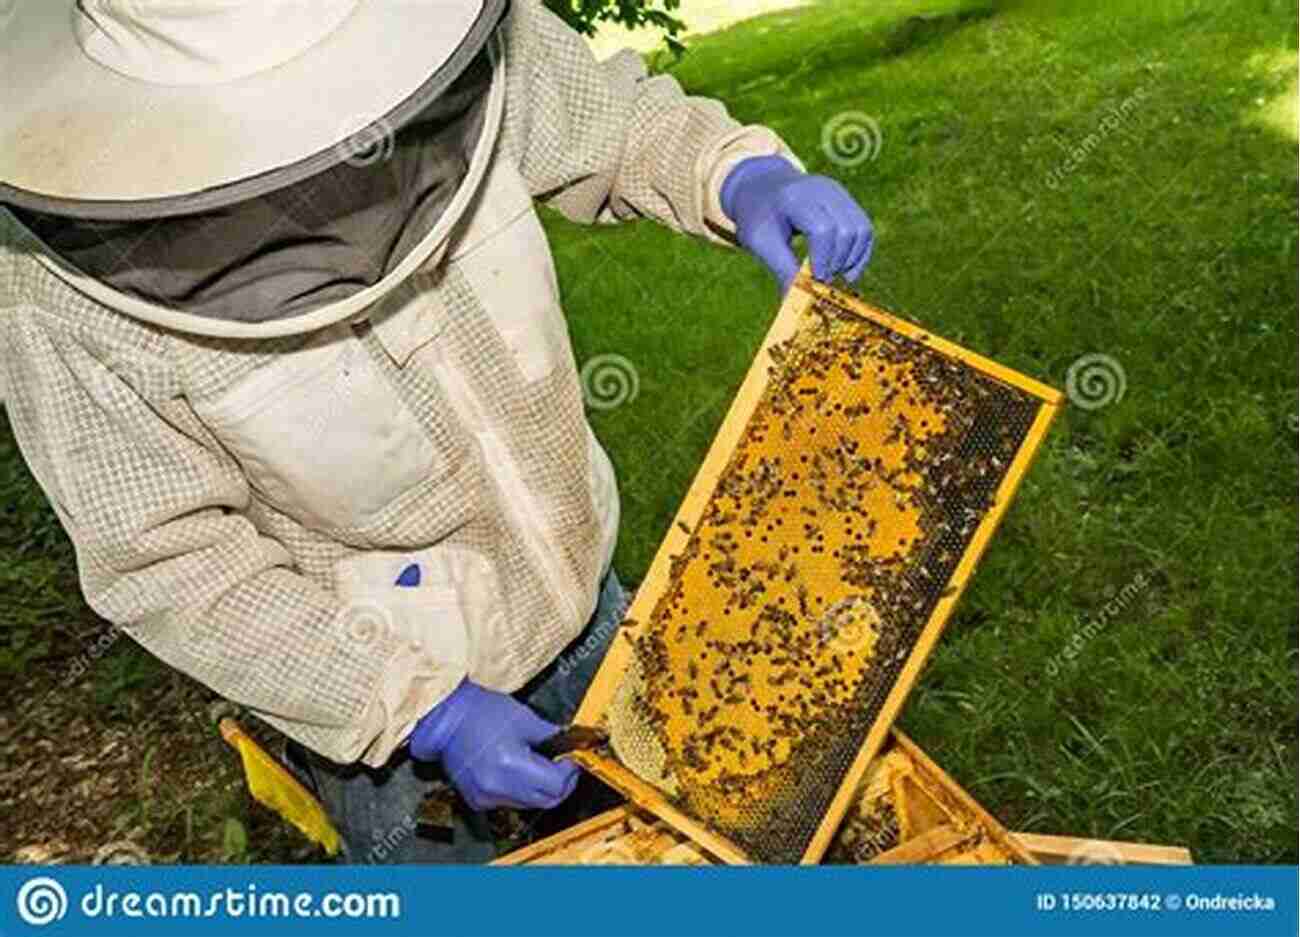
[303,331]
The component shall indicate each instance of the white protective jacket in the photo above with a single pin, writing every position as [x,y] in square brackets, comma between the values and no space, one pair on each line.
[242,497]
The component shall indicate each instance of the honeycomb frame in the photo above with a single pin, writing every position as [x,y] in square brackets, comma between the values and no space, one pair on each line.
[805,308]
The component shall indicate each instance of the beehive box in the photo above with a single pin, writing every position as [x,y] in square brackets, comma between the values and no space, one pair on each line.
[906,810]
[909,811]
[840,512]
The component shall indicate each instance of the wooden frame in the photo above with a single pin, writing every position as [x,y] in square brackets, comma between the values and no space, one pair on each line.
[1062,850]
[1014,847]
[920,845]
[791,318]
[1042,848]
[574,834]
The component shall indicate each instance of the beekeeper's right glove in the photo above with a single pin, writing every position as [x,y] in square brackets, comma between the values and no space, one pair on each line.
[771,201]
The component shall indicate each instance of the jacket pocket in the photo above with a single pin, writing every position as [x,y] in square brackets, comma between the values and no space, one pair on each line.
[505,258]
[430,617]
[321,433]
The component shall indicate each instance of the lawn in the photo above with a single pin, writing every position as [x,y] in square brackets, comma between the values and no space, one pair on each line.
[1047,184]
[1160,528]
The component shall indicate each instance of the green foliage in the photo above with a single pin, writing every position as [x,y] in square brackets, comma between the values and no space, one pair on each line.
[586,15]
[121,671]
[234,841]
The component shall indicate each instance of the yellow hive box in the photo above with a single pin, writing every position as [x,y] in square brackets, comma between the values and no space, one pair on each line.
[906,810]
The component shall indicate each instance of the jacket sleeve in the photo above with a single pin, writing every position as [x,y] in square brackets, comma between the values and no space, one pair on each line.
[154,508]
[604,141]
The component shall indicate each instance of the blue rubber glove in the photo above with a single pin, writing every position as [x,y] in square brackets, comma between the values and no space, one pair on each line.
[485,742]
[771,201]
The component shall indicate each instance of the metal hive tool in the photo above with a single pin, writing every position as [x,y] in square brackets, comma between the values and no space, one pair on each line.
[841,510]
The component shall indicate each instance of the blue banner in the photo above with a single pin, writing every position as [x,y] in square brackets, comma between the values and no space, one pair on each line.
[928,900]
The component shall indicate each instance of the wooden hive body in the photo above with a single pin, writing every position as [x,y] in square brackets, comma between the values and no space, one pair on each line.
[906,810]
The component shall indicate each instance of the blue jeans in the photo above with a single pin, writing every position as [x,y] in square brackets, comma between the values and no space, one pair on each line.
[375,810]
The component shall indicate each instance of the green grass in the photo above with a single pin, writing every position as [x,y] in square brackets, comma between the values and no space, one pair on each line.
[1171,248]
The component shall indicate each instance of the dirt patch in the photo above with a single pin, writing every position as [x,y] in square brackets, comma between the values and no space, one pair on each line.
[141,777]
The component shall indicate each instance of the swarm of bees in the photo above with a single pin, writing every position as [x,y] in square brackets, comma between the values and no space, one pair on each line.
[856,488]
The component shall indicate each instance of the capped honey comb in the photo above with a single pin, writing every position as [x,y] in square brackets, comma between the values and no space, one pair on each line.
[841,509]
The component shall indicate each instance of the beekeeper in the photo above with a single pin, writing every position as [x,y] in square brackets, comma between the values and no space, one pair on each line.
[283,345]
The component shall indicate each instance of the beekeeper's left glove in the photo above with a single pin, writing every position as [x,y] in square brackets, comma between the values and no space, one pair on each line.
[771,201]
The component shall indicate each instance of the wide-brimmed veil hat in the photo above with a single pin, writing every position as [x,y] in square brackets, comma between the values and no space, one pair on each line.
[145,108]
